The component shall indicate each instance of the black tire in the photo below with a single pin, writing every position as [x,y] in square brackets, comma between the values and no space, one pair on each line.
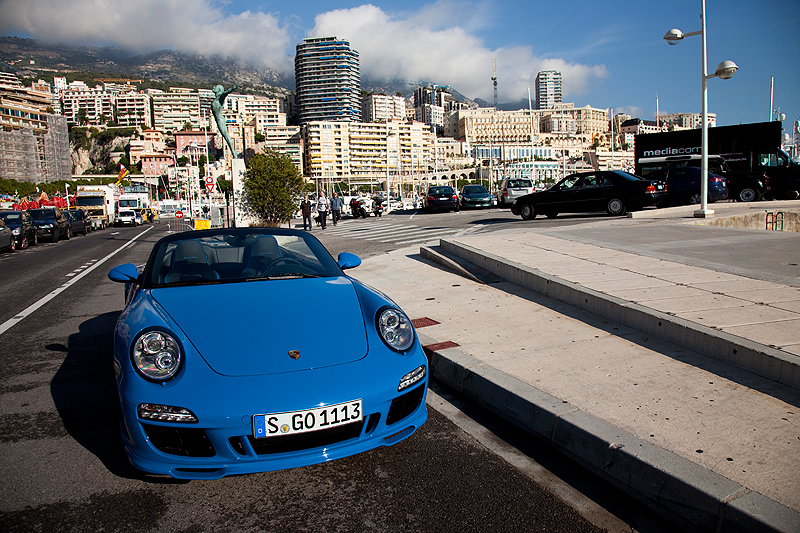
[694,199]
[12,246]
[748,194]
[55,237]
[23,242]
[616,207]
[527,212]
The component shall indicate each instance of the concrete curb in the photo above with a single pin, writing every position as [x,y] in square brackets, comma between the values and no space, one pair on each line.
[743,353]
[681,491]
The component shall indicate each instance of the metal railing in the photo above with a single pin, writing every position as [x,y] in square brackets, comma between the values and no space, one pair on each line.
[774,221]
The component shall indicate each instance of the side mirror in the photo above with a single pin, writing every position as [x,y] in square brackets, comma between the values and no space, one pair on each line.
[126,273]
[347,260]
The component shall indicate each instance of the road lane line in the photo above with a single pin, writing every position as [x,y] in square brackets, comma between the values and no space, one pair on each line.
[5,326]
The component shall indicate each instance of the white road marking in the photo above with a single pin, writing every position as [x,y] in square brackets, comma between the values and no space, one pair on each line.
[5,326]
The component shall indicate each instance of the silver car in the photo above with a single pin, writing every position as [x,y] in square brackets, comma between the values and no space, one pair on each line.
[513,188]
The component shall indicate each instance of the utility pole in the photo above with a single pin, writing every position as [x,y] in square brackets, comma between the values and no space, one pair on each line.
[494,81]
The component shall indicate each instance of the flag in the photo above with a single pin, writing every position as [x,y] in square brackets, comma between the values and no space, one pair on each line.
[122,173]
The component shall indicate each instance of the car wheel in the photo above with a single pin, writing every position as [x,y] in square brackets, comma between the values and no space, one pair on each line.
[55,237]
[528,212]
[615,207]
[68,235]
[694,198]
[23,242]
[748,194]
[12,246]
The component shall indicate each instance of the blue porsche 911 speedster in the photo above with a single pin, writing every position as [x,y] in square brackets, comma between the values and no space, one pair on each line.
[222,369]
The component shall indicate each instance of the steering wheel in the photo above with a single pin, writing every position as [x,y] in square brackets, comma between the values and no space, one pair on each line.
[284,260]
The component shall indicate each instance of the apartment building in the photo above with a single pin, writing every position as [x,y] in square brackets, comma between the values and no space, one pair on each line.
[340,151]
[485,125]
[327,81]
[81,103]
[174,109]
[686,121]
[548,89]
[133,109]
[381,107]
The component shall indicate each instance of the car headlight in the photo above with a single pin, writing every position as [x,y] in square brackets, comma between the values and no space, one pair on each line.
[15,231]
[157,355]
[395,329]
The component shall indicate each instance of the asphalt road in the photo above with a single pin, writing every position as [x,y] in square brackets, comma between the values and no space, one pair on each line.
[62,467]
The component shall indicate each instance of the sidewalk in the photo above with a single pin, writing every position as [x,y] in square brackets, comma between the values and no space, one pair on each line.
[624,360]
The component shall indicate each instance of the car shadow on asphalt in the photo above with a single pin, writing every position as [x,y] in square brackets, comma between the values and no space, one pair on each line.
[85,395]
[650,342]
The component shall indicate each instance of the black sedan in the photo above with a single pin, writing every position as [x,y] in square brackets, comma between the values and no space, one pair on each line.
[21,225]
[440,197]
[613,191]
[78,221]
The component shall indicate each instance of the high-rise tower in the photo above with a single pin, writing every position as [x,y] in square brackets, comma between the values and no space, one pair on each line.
[548,89]
[327,81]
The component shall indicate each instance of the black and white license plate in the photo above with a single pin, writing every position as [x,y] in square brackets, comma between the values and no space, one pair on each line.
[294,422]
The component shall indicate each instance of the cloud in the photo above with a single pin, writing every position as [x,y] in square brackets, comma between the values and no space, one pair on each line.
[149,25]
[420,48]
[436,43]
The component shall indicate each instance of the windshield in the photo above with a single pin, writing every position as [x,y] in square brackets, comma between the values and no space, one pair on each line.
[440,190]
[90,200]
[12,218]
[519,183]
[42,214]
[237,255]
[474,189]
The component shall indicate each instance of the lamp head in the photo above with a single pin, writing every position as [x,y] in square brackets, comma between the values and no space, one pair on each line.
[726,70]
[674,36]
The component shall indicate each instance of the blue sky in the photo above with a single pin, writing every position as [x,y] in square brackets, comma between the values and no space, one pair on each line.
[611,53]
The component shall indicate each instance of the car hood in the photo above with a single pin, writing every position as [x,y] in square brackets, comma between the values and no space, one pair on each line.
[250,328]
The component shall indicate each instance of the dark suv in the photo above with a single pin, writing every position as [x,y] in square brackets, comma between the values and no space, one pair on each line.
[21,224]
[440,197]
[683,185]
[51,222]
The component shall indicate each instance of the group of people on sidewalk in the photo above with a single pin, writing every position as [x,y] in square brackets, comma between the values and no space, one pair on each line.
[323,205]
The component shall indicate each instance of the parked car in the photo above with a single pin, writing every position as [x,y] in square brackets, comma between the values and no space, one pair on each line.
[126,217]
[7,239]
[51,223]
[475,196]
[79,221]
[513,188]
[21,225]
[287,398]
[440,197]
[614,191]
[683,185]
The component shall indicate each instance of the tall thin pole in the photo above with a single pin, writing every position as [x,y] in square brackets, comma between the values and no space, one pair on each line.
[704,211]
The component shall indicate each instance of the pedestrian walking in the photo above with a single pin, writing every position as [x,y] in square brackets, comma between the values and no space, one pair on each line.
[305,209]
[322,208]
[336,208]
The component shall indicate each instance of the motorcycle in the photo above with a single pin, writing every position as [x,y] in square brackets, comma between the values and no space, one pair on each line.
[377,205]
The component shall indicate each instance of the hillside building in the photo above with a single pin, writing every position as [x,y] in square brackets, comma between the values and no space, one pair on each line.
[327,81]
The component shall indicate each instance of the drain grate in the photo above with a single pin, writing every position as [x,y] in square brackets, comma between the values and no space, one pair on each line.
[424,321]
[440,346]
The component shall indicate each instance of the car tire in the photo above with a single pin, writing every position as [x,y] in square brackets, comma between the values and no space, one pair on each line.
[694,199]
[68,235]
[12,246]
[616,207]
[54,239]
[748,194]
[528,212]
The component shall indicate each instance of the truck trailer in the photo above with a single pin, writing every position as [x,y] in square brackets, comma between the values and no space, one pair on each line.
[748,155]
[98,202]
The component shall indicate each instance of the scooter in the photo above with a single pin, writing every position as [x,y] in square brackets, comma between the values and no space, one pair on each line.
[377,205]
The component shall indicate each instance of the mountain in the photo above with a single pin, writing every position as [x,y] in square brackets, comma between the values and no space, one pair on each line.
[29,57]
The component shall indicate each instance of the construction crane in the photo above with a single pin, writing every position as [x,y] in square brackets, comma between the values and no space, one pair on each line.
[494,81]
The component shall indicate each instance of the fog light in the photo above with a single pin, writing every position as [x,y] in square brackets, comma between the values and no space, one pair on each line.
[165,413]
[412,377]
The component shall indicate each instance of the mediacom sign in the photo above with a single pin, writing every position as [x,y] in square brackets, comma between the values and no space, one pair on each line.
[672,151]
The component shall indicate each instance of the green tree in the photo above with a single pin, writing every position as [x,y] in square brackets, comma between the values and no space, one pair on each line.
[273,187]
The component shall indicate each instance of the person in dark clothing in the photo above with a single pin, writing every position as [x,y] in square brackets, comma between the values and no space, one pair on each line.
[305,209]
[336,208]
[322,208]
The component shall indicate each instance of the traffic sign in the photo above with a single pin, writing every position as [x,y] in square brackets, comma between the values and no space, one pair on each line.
[178,214]
[209,183]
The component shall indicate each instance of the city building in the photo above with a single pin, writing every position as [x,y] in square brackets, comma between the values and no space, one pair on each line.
[175,109]
[327,81]
[381,107]
[686,121]
[82,104]
[133,109]
[548,89]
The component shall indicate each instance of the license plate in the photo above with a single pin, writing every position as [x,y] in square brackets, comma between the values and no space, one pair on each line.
[294,422]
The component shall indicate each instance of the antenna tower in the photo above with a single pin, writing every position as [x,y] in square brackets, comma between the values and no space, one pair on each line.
[494,81]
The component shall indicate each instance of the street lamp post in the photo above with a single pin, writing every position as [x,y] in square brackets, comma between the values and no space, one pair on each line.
[725,70]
